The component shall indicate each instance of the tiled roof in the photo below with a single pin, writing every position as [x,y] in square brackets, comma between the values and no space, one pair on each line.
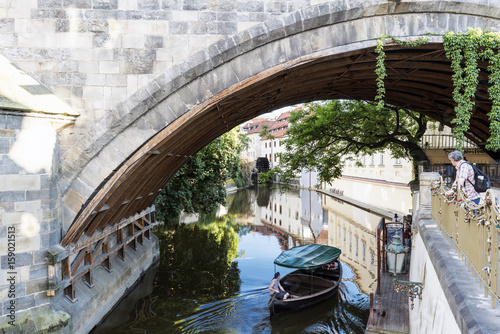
[278,129]
[252,123]
[260,126]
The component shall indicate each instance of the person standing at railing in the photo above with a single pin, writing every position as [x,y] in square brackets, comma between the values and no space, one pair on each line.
[464,173]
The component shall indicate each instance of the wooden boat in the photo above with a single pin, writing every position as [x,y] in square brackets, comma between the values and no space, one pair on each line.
[317,277]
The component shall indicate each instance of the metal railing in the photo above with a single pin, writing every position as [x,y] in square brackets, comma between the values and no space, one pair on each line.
[80,259]
[444,141]
[473,231]
[447,172]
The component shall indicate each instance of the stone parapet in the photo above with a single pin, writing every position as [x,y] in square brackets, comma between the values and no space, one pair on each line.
[452,300]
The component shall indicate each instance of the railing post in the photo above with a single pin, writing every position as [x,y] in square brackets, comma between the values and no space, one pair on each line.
[55,255]
[425,196]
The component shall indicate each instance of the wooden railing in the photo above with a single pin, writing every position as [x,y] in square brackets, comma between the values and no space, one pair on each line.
[70,264]
[473,231]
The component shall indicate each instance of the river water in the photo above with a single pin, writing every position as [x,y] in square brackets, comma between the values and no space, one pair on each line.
[213,274]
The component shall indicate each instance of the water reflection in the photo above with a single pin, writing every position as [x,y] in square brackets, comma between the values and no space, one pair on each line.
[213,277]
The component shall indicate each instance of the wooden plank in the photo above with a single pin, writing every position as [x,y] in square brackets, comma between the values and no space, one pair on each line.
[389,310]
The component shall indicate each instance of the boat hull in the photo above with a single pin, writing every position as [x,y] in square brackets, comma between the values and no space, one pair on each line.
[306,289]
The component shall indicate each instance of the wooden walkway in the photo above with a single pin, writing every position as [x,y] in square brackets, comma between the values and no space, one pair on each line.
[389,310]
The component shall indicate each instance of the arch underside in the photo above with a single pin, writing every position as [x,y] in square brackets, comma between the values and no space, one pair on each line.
[417,78]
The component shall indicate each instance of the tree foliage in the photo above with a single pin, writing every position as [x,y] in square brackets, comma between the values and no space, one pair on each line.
[323,135]
[199,186]
[465,50]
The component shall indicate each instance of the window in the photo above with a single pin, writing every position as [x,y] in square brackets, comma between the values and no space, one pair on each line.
[381,159]
[274,144]
[372,160]
[265,145]
[356,240]
[397,161]
[363,250]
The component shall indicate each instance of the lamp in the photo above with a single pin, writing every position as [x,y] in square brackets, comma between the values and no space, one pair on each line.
[396,254]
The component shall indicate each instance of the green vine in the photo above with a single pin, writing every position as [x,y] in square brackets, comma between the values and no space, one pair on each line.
[464,49]
[380,70]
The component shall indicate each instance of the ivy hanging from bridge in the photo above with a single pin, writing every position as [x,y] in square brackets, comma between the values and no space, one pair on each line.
[464,49]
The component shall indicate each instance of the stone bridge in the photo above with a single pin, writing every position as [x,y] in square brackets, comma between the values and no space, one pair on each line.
[103,101]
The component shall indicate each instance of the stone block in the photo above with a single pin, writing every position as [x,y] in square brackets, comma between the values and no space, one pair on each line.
[105,4]
[90,67]
[275,29]
[22,182]
[215,56]
[250,6]
[221,78]
[124,146]
[155,120]
[178,28]
[43,194]
[93,92]
[28,206]
[133,41]
[20,260]
[200,63]
[375,27]
[38,271]
[165,112]
[136,137]
[40,257]
[154,42]
[12,196]
[22,300]
[94,173]
[14,122]
[7,25]
[207,16]
[227,48]
[176,105]
[41,298]
[109,67]
[36,285]
[200,90]
[293,23]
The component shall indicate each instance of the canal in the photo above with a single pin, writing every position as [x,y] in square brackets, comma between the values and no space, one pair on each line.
[213,273]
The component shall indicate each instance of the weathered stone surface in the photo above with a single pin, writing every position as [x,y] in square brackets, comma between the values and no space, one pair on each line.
[133,67]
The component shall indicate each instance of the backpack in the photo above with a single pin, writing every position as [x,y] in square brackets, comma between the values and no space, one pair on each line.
[482,181]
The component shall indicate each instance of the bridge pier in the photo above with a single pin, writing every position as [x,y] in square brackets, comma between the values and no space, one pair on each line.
[30,216]
[32,296]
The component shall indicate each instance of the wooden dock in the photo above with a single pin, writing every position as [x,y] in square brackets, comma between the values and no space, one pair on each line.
[389,310]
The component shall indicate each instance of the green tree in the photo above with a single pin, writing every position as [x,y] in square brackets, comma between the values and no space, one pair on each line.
[323,135]
[199,186]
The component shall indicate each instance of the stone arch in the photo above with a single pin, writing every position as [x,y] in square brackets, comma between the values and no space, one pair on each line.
[320,52]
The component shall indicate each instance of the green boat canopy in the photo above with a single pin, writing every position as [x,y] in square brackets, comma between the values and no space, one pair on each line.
[308,257]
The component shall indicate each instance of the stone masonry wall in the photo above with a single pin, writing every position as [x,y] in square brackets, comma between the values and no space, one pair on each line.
[29,210]
[94,54]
